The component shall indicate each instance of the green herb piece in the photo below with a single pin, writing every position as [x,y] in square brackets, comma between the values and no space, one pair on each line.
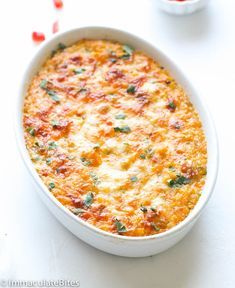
[171,105]
[53,52]
[48,161]
[61,46]
[131,89]
[82,90]
[128,51]
[39,145]
[53,95]
[52,145]
[43,84]
[134,179]
[51,185]
[142,156]
[125,56]
[71,157]
[96,146]
[143,209]
[77,211]
[124,129]
[85,162]
[79,70]
[178,181]
[112,53]
[37,158]
[120,227]
[94,178]
[153,209]
[31,131]
[54,123]
[154,226]
[149,153]
[89,199]
[171,168]
[120,116]
[113,60]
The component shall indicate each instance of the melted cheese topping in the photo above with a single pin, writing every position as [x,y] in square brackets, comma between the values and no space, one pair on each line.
[115,138]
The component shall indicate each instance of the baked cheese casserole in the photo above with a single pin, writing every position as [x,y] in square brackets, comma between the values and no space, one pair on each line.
[114,138]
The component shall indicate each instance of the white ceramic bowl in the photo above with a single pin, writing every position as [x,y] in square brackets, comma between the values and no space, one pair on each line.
[116,244]
[182,8]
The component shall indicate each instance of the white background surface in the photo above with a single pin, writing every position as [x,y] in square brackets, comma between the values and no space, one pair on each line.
[33,245]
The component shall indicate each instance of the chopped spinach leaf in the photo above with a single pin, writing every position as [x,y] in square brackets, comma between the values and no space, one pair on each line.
[51,185]
[53,95]
[94,178]
[31,131]
[134,179]
[77,211]
[61,46]
[127,52]
[178,181]
[43,84]
[39,145]
[79,70]
[124,129]
[125,56]
[52,145]
[85,162]
[143,209]
[120,116]
[113,60]
[148,153]
[171,168]
[37,158]
[131,89]
[48,161]
[71,157]
[128,49]
[54,123]
[82,90]
[154,226]
[89,199]
[96,146]
[120,227]
[171,105]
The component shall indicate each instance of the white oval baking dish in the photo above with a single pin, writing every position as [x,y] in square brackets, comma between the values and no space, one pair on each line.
[117,244]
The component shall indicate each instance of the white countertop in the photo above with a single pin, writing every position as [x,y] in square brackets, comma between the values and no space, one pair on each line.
[33,245]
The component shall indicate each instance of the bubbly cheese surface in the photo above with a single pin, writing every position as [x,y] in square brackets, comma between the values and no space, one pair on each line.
[115,138]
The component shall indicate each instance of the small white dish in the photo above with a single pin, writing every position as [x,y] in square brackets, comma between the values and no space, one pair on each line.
[182,7]
[111,243]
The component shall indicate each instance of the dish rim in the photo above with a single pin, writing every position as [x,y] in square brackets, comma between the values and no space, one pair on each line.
[183,3]
[27,75]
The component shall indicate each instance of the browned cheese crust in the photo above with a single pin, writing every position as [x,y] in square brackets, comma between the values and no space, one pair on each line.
[115,138]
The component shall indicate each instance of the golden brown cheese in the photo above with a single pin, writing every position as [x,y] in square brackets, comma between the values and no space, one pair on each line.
[115,138]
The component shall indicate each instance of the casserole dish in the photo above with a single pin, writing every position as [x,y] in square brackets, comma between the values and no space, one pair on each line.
[112,243]
[182,7]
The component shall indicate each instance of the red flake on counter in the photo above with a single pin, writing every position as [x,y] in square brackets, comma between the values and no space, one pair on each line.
[55,27]
[38,36]
[58,4]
